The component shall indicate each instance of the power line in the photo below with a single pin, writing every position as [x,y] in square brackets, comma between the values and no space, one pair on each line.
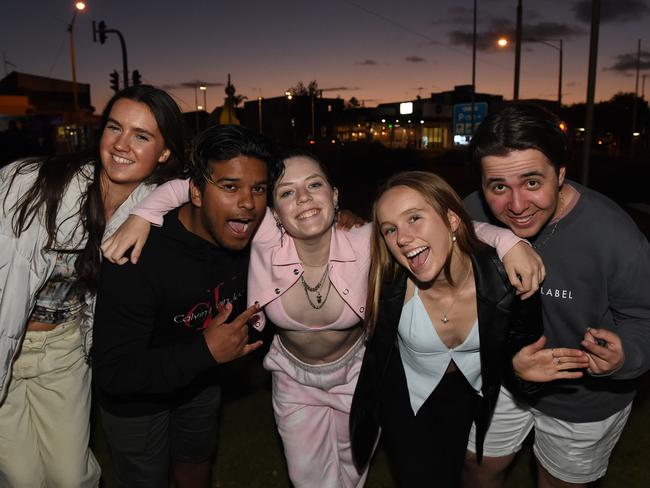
[58,54]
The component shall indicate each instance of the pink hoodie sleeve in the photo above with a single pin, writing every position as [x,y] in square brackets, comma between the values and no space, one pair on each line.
[501,239]
[166,197]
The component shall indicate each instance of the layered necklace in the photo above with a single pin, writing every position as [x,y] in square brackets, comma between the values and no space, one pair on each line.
[317,289]
[445,315]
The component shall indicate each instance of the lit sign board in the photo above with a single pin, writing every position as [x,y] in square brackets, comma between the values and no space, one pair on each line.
[406,108]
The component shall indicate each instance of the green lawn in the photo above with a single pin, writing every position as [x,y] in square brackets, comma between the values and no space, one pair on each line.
[250,452]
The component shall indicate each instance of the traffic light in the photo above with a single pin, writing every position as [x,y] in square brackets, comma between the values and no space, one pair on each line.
[99,31]
[136,78]
[115,81]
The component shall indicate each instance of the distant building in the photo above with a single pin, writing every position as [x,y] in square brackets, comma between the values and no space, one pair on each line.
[293,121]
[41,109]
[423,123]
[47,96]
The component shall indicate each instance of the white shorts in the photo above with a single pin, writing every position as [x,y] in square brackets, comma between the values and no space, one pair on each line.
[569,451]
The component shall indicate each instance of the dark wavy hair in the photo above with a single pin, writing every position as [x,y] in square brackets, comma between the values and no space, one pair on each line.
[56,172]
[224,142]
[518,126]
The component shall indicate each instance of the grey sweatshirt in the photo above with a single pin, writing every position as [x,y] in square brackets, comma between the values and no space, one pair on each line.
[598,275]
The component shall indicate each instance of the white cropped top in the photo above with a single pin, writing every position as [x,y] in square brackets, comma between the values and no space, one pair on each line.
[425,357]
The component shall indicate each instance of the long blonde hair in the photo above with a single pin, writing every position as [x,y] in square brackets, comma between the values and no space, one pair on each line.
[442,198]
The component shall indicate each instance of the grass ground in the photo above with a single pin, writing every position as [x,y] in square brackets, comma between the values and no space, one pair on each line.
[250,452]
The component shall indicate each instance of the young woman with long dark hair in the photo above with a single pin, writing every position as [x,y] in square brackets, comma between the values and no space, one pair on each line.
[54,215]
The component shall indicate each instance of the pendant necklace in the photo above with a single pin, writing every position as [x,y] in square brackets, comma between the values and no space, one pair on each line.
[317,288]
[444,319]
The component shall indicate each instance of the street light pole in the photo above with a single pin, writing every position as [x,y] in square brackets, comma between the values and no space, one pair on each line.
[473,68]
[79,7]
[559,79]
[515,95]
[196,109]
[591,89]
[636,87]
[502,42]
[204,89]
[559,48]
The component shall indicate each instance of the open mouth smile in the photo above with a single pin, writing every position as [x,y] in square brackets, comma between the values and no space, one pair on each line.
[239,226]
[417,257]
[522,220]
[121,160]
[308,213]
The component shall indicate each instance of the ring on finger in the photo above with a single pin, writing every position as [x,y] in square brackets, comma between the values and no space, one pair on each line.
[557,360]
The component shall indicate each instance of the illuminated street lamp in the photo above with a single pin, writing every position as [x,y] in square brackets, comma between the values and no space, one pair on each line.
[204,89]
[556,44]
[79,7]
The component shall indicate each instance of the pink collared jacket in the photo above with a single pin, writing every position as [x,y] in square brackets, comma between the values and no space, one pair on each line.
[275,265]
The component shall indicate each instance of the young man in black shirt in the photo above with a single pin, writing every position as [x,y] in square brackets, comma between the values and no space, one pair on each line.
[161,324]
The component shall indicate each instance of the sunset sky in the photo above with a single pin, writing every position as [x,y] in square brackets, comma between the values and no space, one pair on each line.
[377,51]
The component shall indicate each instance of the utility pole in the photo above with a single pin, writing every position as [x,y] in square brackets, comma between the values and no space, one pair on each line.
[515,95]
[591,89]
[6,63]
[636,88]
[473,100]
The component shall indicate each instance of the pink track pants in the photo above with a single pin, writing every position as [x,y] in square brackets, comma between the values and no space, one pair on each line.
[312,406]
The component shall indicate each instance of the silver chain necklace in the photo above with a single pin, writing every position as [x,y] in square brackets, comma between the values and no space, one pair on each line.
[320,301]
[560,209]
[550,234]
[444,319]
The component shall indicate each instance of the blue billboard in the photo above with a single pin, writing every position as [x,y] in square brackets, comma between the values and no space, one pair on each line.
[463,117]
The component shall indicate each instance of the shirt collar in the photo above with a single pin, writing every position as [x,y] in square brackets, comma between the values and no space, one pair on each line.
[340,250]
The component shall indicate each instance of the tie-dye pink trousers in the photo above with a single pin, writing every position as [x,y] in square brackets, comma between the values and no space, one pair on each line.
[312,406]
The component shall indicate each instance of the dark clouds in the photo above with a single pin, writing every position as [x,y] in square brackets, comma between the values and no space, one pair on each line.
[613,10]
[368,62]
[414,59]
[340,88]
[191,84]
[500,27]
[626,63]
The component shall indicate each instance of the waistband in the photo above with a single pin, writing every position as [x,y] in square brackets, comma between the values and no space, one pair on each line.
[322,368]
[39,338]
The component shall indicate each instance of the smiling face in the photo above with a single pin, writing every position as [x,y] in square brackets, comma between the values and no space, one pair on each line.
[233,202]
[522,190]
[131,145]
[417,237]
[303,199]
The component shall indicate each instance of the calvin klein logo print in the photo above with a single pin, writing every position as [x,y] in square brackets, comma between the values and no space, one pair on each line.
[197,317]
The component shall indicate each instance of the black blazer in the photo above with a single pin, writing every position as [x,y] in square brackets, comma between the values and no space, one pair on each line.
[506,324]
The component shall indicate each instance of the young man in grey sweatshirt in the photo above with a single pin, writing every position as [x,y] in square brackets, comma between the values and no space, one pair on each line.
[595,296]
